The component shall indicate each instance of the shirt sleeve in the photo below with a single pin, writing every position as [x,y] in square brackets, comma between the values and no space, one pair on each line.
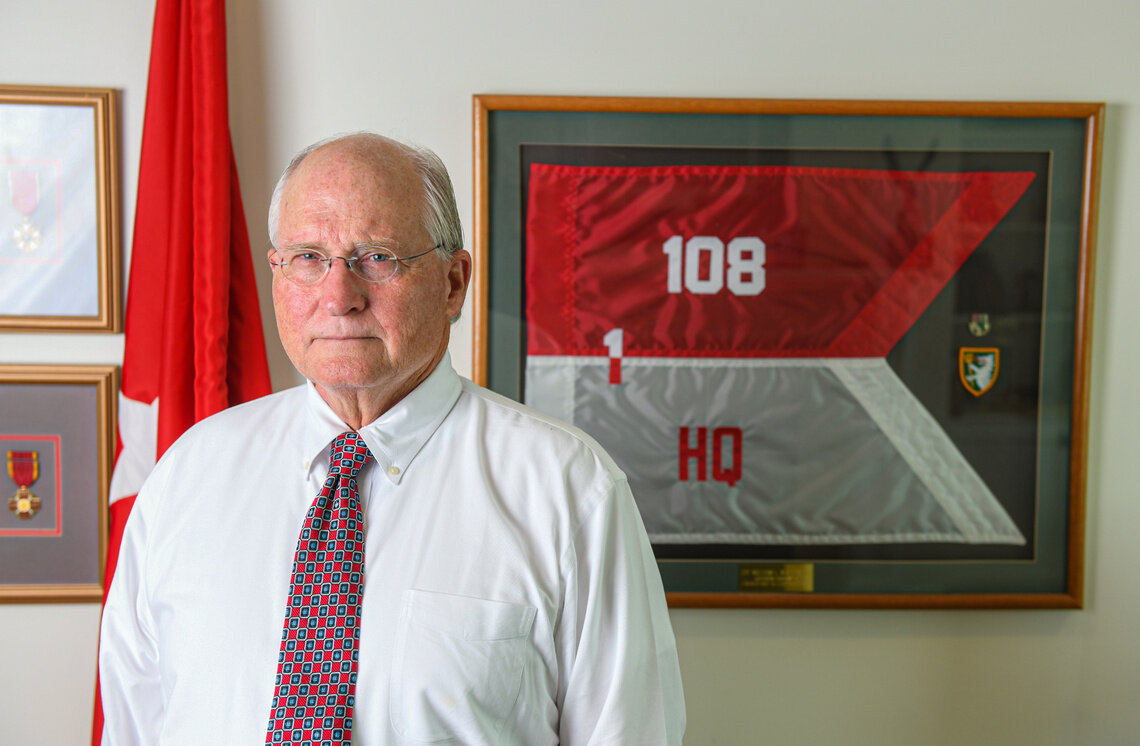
[620,679]
[129,680]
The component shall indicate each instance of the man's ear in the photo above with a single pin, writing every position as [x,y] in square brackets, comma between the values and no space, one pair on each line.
[458,279]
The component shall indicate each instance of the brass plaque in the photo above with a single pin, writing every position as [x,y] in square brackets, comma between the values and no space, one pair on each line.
[797,578]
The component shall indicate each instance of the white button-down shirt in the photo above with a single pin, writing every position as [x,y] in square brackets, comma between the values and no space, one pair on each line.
[511,595]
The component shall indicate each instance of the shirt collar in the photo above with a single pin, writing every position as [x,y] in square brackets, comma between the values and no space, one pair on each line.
[396,436]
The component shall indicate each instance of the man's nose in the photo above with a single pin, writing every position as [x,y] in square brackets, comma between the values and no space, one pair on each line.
[343,291]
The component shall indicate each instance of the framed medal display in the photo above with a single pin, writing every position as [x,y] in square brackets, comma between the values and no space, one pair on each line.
[839,348]
[59,217]
[57,440]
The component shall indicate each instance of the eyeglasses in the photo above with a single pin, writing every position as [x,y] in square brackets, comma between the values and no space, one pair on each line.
[309,266]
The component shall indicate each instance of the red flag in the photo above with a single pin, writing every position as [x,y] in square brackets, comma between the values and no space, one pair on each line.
[194,342]
[747,261]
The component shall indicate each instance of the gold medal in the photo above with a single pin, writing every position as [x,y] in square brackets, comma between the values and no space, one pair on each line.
[24,194]
[979,324]
[24,469]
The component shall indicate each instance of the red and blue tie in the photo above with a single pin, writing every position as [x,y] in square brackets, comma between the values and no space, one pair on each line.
[316,668]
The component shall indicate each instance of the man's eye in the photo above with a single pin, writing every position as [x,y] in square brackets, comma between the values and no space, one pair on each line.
[375,257]
[305,257]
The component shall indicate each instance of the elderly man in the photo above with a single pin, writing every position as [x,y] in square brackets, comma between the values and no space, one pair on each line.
[469,571]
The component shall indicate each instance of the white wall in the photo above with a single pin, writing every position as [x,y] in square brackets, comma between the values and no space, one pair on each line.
[303,70]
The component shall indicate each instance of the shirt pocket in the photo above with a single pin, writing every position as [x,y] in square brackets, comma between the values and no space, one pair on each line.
[458,667]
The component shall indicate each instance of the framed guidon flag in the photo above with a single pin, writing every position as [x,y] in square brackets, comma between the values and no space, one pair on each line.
[838,348]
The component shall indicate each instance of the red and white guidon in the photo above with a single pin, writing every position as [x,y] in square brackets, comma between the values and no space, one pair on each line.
[723,332]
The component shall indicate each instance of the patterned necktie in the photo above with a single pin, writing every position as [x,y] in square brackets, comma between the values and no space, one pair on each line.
[316,668]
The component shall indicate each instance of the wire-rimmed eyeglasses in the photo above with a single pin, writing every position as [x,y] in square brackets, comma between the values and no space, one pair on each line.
[309,266]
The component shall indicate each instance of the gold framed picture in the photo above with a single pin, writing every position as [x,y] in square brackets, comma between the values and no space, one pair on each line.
[840,348]
[57,438]
[60,258]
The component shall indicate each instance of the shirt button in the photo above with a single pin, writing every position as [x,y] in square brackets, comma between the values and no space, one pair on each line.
[307,465]
[393,470]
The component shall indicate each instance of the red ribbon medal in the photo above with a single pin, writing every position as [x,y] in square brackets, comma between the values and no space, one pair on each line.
[24,469]
[24,193]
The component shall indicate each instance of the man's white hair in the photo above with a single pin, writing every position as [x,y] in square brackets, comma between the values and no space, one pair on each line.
[440,214]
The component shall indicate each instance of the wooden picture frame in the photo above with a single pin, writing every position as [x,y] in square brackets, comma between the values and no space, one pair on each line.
[59,216]
[57,430]
[1029,456]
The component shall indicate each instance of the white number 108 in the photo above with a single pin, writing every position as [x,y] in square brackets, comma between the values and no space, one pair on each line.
[744,276]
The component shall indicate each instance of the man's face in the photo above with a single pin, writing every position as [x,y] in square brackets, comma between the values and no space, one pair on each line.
[350,337]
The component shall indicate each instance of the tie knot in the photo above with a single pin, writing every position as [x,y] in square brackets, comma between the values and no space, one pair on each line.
[349,455]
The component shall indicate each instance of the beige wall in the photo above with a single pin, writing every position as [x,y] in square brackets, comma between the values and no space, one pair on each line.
[301,70]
